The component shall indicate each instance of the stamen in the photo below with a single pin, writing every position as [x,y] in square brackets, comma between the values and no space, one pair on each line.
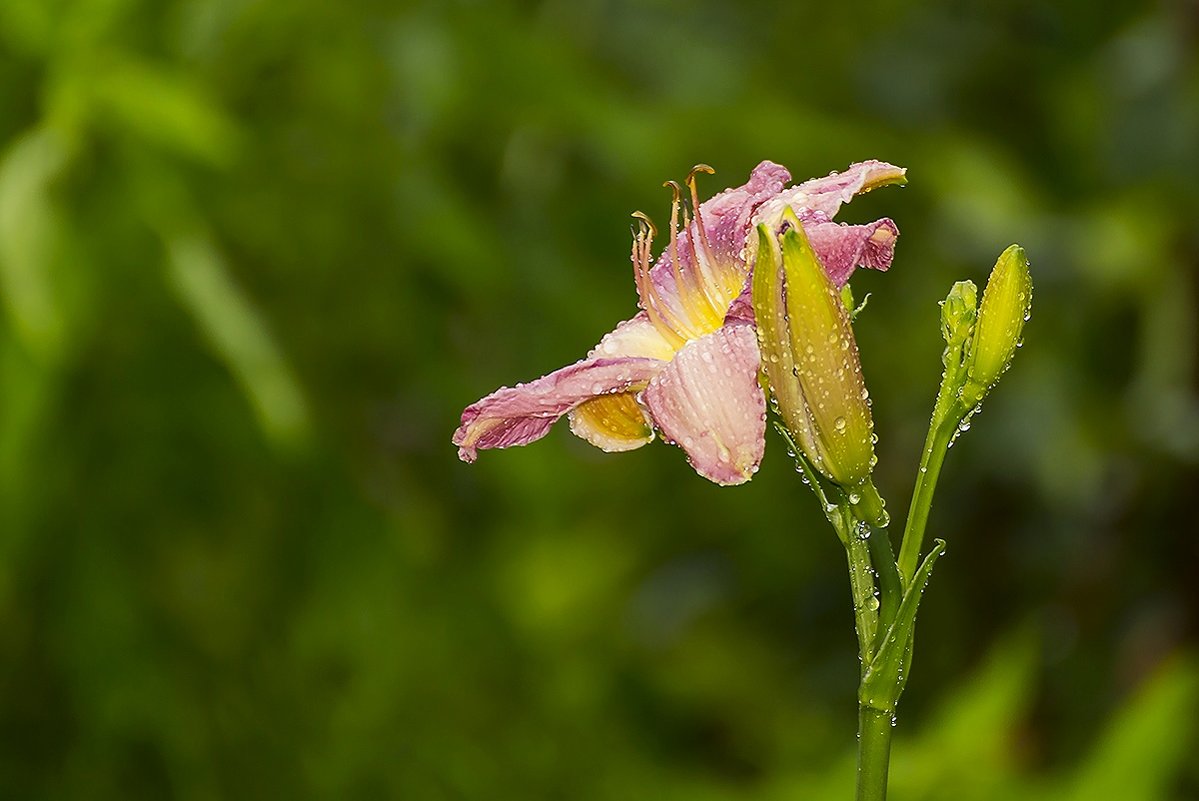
[690,287]
[655,309]
[703,248]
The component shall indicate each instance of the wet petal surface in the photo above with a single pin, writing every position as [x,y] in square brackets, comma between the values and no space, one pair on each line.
[819,199]
[617,422]
[708,401]
[612,423]
[524,413]
[715,259]
[844,248]
[634,337]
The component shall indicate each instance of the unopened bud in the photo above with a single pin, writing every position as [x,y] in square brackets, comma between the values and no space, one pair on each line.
[959,310]
[810,356]
[1005,306]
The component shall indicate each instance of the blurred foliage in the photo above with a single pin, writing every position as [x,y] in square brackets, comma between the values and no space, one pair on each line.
[255,258]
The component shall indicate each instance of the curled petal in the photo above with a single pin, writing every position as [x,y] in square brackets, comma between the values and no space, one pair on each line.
[709,402]
[617,422]
[612,423]
[524,413]
[844,248]
[825,195]
[819,199]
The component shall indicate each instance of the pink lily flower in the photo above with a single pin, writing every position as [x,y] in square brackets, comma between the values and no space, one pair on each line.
[687,365]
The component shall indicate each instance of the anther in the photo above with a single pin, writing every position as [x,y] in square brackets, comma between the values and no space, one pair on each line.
[645,220]
[699,168]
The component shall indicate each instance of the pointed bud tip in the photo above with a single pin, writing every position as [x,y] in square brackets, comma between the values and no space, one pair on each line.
[1005,306]
[1014,251]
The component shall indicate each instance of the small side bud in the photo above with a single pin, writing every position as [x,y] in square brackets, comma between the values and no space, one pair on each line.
[810,357]
[1006,303]
[959,310]
[847,299]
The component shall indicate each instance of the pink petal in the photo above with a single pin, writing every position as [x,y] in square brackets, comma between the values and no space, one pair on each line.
[524,413]
[819,199]
[727,218]
[742,308]
[844,248]
[825,195]
[709,402]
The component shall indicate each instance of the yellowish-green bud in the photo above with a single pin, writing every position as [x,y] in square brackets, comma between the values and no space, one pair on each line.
[959,310]
[811,359]
[1006,303]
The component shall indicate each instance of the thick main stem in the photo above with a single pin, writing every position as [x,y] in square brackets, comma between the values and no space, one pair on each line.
[874,753]
[870,559]
[874,727]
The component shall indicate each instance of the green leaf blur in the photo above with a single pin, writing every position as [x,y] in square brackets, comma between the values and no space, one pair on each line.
[256,257]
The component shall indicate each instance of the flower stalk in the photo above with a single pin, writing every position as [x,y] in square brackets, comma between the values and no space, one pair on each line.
[874,753]
[979,345]
[696,363]
[804,383]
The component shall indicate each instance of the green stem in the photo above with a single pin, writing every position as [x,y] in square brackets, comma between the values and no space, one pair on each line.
[865,605]
[852,516]
[874,753]
[890,586]
[935,447]
[874,727]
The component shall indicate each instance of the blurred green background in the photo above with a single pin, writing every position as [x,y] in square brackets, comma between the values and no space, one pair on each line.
[256,256]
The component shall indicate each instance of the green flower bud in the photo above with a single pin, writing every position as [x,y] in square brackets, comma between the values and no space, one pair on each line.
[959,310]
[811,359]
[1005,306]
